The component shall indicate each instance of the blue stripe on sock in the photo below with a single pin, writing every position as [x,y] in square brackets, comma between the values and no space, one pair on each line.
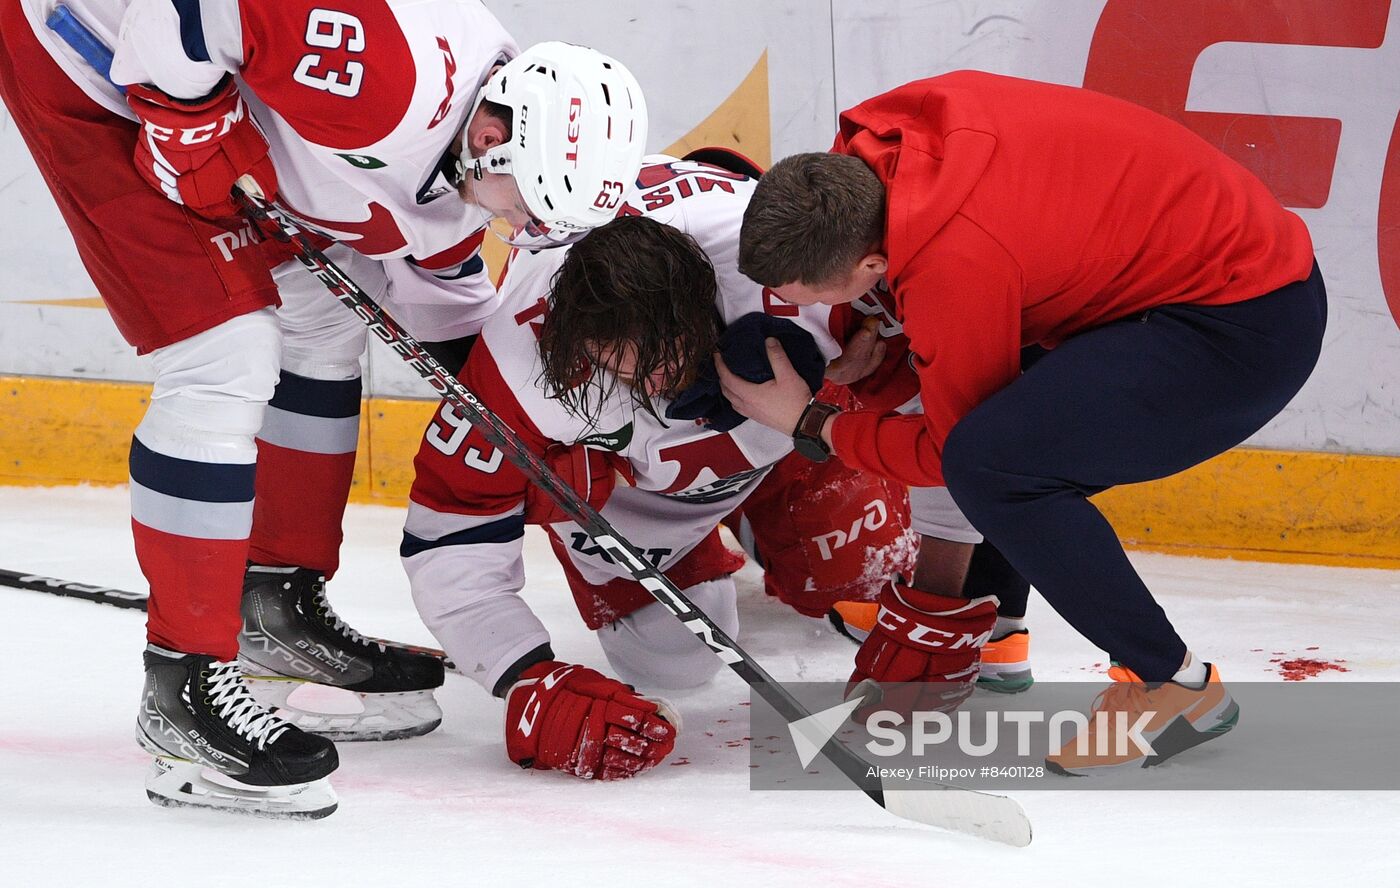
[189,480]
[333,399]
[503,531]
[191,29]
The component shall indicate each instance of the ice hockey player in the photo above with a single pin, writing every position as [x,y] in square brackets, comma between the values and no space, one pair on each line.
[594,361]
[385,126]
[1180,303]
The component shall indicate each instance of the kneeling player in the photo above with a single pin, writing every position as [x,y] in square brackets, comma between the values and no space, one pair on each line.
[585,361]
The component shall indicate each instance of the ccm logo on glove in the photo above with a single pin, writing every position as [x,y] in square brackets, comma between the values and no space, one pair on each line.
[194,151]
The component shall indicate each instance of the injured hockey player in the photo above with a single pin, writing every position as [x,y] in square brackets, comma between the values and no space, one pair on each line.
[600,360]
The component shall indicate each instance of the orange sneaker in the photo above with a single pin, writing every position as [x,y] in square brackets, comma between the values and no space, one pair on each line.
[1006,663]
[1136,725]
[853,619]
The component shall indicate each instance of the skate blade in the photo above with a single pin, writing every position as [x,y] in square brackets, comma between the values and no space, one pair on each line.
[175,783]
[341,715]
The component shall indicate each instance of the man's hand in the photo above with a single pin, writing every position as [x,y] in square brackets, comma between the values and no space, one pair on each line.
[777,403]
[193,152]
[862,353]
[561,717]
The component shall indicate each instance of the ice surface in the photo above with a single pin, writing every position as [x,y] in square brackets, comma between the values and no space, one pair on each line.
[448,809]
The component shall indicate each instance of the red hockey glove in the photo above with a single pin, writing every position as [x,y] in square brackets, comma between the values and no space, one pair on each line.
[193,152]
[568,718]
[591,472]
[926,638]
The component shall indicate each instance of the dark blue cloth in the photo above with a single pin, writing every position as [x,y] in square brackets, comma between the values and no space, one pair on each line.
[1134,400]
[742,344]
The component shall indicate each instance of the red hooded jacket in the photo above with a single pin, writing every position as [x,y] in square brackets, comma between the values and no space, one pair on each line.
[1021,212]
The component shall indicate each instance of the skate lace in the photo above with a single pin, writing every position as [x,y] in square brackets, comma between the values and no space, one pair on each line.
[327,613]
[229,695]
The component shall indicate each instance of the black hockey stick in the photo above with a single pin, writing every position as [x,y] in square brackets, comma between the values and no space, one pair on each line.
[976,813]
[138,601]
[69,589]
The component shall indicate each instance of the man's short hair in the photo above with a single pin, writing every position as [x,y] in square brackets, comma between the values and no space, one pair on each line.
[811,219]
[503,115]
[637,282]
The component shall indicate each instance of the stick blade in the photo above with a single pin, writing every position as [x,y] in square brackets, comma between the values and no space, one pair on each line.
[966,811]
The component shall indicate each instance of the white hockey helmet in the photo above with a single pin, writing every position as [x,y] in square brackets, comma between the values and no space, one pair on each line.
[579,131]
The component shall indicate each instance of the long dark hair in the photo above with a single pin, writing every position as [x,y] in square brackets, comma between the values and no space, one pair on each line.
[636,282]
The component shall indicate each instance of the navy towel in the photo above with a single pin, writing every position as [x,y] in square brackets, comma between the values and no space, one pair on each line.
[742,344]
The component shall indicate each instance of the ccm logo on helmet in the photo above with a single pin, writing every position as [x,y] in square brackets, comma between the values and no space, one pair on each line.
[575,112]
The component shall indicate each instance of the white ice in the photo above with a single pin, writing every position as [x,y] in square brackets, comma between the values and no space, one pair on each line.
[449,809]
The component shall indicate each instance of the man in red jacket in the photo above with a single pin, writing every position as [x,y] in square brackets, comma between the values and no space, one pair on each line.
[1180,303]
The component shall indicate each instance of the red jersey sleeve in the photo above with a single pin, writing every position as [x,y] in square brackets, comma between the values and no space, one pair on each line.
[962,316]
[342,77]
[456,470]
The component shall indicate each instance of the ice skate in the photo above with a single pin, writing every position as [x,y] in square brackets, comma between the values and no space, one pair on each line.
[216,747]
[1005,666]
[1180,717]
[292,638]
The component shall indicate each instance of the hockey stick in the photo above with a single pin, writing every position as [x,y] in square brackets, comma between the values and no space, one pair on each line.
[981,814]
[138,601]
[69,589]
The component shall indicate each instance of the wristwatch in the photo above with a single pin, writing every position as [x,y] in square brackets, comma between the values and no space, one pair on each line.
[807,437]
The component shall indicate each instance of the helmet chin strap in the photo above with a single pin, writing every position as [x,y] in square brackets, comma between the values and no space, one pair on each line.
[497,160]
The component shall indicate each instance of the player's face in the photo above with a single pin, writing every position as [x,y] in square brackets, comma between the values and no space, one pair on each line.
[839,290]
[621,362]
[499,196]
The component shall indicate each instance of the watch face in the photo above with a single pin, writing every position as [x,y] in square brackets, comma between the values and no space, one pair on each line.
[813,448]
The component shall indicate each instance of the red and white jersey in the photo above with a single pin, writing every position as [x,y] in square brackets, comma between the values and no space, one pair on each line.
[359,100]
[462,542]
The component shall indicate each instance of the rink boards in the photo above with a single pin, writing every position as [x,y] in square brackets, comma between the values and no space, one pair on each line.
[1300,91]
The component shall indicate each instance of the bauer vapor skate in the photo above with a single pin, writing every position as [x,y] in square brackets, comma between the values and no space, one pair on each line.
[216,747]
[292,638]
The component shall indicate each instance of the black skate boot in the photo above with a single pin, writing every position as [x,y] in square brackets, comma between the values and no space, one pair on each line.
[291,637]
[216,747]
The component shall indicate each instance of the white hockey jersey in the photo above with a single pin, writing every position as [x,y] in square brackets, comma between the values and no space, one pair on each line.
[462,542]
[359,100]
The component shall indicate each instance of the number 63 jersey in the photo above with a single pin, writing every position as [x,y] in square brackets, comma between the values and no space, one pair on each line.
[463,536]
[359,101]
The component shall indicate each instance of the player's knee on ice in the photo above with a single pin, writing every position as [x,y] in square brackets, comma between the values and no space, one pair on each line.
[650,648]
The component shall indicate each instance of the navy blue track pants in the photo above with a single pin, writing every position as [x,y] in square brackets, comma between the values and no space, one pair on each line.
[1133,400]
